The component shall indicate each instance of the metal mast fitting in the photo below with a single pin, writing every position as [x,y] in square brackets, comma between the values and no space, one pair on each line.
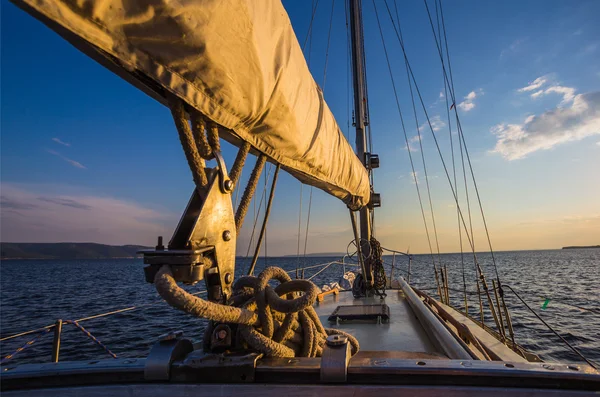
[203,245]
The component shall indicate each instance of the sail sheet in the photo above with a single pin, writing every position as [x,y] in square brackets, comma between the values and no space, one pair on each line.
[236,61]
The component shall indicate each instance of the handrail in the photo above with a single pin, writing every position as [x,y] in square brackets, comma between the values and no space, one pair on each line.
[396,252]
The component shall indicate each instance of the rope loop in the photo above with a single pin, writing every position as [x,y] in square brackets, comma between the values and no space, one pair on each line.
[277,321]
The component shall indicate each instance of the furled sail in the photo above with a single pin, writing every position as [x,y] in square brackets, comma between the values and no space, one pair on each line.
[236,61]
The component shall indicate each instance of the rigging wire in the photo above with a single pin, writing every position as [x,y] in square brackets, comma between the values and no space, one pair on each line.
[309,38]
[348,75]
[267,206]
[420,146]
[462,260]
[262,196]
[299,232]
[429,123]
[328,44]
[323,90]
[452,187]
[314,6]
[414,174]
[460,131]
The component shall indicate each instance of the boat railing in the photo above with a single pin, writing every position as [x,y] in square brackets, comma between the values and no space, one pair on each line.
[56,327]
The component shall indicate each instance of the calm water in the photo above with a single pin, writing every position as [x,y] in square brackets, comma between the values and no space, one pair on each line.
[35,293]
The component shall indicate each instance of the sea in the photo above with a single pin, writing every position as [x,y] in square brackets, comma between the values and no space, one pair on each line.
[561,286]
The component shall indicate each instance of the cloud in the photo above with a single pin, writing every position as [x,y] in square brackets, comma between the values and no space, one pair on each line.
[578,120]
[57,140]
[469,102]
[568,93]
[436,124]
[412,146]
[512,48]
[65,202]
[590,48]
[29,214]
[441,95]
[74,163]
[535,84]
[414,177]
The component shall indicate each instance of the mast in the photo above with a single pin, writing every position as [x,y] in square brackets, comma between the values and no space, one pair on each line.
[360,104]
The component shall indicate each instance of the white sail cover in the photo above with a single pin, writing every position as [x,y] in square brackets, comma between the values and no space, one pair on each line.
[236,61]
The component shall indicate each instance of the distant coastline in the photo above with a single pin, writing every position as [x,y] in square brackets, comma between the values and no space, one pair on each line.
[67,251]
[22,251]
[575,247]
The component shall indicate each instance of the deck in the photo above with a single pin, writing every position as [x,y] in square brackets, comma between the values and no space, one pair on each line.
[403,333]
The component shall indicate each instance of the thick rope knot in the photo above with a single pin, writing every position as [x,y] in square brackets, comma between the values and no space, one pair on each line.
[278,321]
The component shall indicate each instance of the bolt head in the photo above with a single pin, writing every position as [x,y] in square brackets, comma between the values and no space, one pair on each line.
[226,235]
[337,340]
[228,278]
[228,185]
[222,334]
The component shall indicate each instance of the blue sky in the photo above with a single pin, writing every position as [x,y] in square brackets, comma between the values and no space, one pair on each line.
[87,157]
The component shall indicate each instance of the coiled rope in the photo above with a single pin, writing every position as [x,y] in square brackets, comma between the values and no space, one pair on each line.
[379,277]
[267,323]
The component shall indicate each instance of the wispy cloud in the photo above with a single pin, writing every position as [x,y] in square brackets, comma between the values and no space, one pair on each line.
[568,93]
[535,84]
[512,48]
[436,124]
[32,214]
[590,48]
[65,202]
[469,101]
[74,163]
[577,117]
[57,140]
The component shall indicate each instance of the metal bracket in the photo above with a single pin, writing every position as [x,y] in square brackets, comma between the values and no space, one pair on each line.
[169,348]
[221,368]
[335,359]
[205,231]
[226,184]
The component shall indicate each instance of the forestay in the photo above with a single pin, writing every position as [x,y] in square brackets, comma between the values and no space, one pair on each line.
[236,61]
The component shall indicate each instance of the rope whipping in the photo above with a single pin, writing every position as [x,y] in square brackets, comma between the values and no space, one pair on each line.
[267,323]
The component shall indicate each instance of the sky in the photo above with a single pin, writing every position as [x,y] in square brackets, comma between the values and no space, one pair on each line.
[86,157]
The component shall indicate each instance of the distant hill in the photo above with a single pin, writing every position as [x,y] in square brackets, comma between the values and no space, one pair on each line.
[67,251]
[574,247]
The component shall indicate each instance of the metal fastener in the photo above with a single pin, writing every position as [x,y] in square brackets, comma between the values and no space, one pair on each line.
[228,185]
[226,235]
[228,278]
[222,334]
[337,340]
